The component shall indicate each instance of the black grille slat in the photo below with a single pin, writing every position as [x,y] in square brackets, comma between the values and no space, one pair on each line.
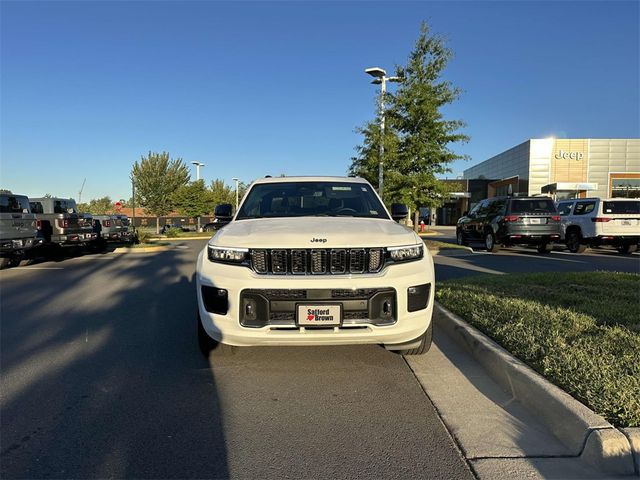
[279,261]
[317,261]
[338,261]
[259,260]
[357,263]
[298,261]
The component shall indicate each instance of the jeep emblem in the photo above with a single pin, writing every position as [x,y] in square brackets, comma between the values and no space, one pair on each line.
[318,240]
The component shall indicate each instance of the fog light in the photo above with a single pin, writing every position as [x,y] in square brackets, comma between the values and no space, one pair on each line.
[418,297]
[215,300]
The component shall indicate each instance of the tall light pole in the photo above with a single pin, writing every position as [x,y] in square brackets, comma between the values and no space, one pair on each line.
[236,180]
[380,77]
[198,165]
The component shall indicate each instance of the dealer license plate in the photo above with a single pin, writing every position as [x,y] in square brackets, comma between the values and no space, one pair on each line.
[17,243]
[535,221]
[626,222]
[319,315]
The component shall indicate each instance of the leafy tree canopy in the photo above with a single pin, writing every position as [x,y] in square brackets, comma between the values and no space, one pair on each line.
[97,206]
[156,178]
[194,200]
[417,137]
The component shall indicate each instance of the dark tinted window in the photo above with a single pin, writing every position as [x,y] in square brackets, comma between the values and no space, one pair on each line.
[565,208]
[36,207]
[483,208]
[621,208]
[63,206]
[299,199]
[583,208]
[532,205]
[13,203]
[497,207]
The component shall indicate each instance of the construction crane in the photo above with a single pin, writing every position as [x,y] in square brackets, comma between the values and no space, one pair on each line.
[80,192]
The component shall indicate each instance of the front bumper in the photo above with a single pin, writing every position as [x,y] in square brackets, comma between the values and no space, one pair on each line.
[282,329]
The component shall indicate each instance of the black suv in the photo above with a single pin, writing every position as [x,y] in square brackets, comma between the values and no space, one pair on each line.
[511,221]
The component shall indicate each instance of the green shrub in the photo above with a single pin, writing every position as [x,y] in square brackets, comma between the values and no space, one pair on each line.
[173,233]
[581,331]
[143,235]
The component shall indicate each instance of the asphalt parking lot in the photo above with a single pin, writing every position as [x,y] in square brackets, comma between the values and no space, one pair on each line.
[101,377]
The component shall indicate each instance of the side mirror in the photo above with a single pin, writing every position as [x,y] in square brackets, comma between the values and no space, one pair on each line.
[465,213]
[399,211]
[223,212]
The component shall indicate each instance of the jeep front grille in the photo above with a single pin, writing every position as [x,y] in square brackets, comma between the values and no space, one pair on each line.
[317,261]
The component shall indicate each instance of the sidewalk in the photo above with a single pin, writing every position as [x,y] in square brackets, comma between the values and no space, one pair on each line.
[497,435]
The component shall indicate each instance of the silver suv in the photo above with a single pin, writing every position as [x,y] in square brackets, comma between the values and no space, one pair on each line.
[17,228]
[590,222]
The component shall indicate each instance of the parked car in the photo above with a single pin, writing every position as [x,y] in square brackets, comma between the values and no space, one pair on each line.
[107,227]
[58,222]
[508,221]
[591,222]
[223,216]
[315,261]
[17,228]
[123,224]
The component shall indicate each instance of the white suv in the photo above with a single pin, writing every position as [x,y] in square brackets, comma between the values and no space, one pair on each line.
[594,221]
[315,261]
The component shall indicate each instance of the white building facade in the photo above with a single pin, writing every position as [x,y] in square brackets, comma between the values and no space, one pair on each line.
[564,168]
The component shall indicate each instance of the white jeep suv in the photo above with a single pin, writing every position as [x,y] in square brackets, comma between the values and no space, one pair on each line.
[315,261]
[595,221]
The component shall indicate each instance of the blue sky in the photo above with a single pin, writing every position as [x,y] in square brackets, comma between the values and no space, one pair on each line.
[256,88]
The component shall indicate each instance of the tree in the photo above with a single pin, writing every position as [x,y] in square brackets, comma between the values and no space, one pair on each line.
[156,178]
[97,206]
[417,136]
[194,199]
[4,190]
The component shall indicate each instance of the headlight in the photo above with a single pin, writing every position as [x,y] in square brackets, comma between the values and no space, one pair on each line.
[227,255]
[403,254]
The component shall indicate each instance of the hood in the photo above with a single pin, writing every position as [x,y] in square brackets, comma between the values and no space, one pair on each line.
[314,232]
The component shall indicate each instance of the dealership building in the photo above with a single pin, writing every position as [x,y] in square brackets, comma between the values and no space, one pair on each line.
[560,168]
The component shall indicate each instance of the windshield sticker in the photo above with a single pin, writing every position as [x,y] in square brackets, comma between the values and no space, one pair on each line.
[341,189]
[364,189]
[373,212]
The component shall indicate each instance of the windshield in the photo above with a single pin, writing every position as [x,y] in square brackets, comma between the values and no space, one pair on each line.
[621,207]
[542,205]
[302,199]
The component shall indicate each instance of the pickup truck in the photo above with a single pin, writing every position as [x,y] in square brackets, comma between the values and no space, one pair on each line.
[59,223]
[17,228]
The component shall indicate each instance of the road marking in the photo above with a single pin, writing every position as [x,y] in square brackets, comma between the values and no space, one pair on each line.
[37,268]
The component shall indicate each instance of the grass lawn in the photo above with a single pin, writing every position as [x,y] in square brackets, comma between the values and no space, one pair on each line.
[442,245]
[580,330]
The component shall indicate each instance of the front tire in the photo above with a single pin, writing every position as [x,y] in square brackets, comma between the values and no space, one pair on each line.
[490,242]
[544,248]
[425,343]
[206,344]
[574,242]
[460,240]
[626,249]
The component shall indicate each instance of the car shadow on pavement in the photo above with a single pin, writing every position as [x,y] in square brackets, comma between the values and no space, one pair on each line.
[101,374]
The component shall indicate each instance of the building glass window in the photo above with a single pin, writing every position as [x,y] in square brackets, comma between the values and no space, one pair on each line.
[625,188]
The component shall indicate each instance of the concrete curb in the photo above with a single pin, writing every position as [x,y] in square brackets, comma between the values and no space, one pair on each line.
[582,431]
[633,434]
